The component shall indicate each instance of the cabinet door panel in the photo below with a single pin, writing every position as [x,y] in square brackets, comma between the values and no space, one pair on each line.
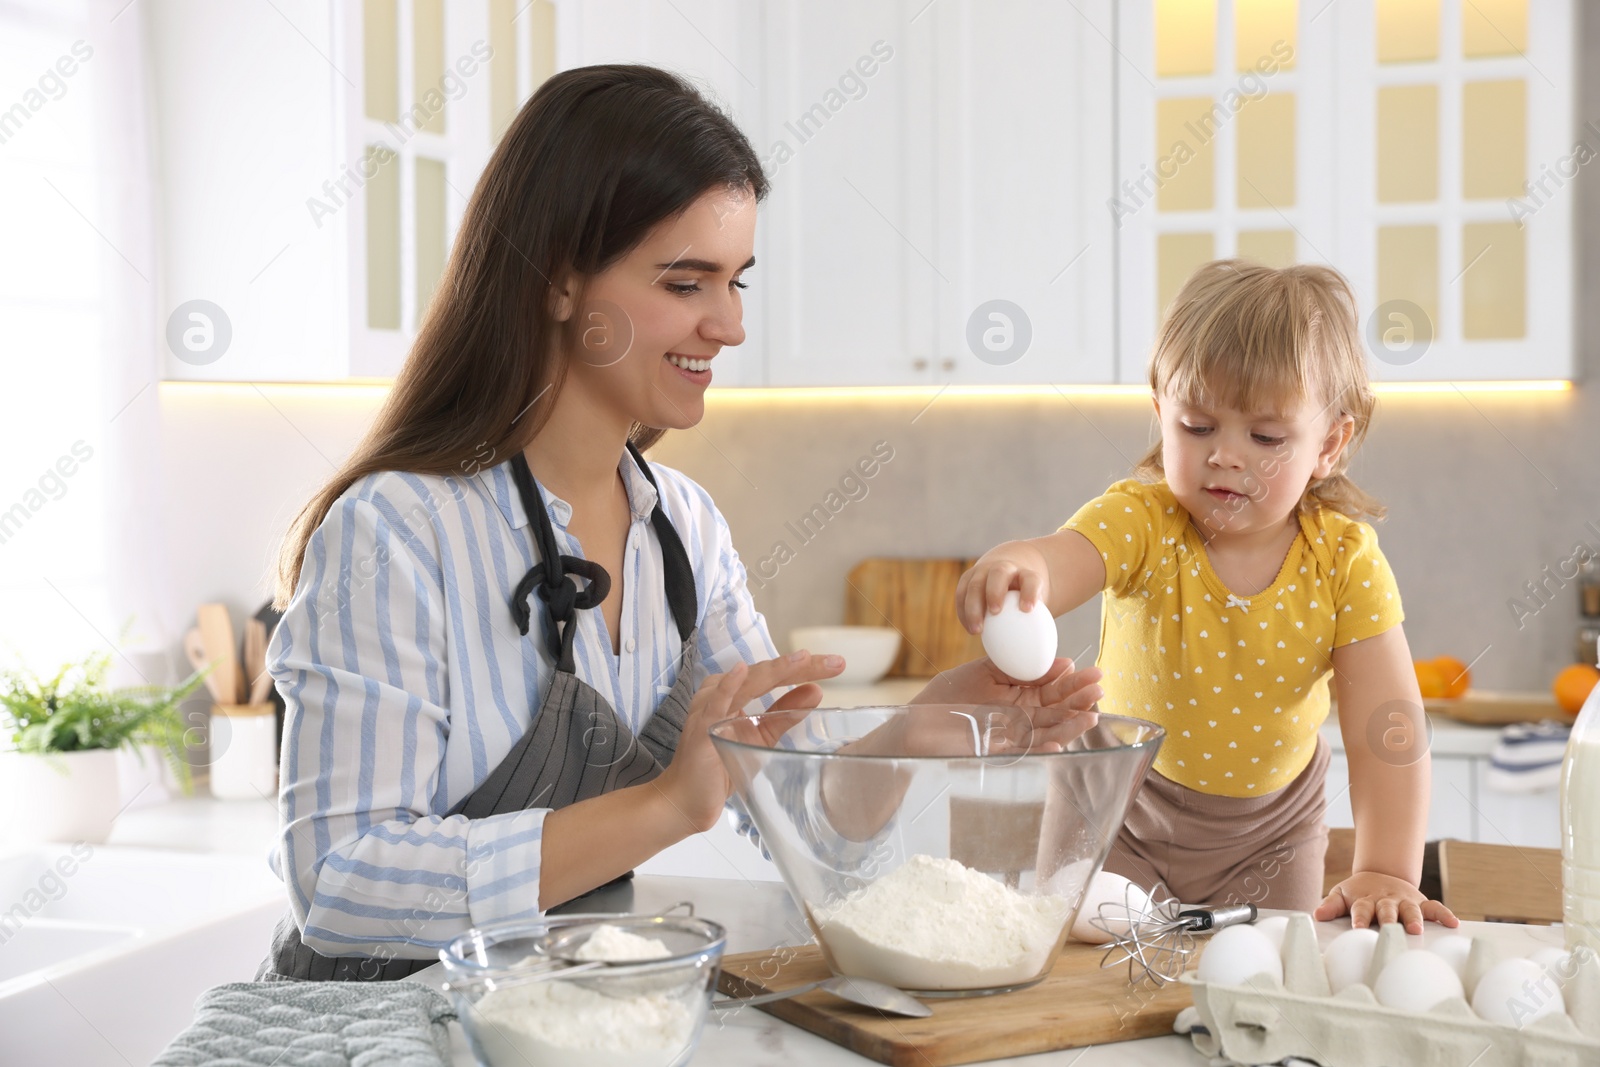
[850,223]
[1527,820]
[1451,810]
[717,44]
[1453,806]
[243,152]
[1469,269]
[1025,173]
[1223,149]
[1338,792]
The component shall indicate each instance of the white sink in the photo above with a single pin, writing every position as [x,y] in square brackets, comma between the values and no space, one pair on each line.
[103,949]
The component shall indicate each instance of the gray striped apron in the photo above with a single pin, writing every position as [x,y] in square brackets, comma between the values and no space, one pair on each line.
[577,746]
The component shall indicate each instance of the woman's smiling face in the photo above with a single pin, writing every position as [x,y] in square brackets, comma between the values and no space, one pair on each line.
[649,326]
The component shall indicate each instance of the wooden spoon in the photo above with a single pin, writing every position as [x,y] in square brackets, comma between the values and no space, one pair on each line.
[255,661]
[216,630]
[194,647]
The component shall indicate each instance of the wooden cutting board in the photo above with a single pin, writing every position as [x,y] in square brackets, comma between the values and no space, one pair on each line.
[918,598]
[1484,708]
[1079,1004]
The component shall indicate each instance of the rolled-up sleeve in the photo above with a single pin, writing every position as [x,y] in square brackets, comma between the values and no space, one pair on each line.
[373,865]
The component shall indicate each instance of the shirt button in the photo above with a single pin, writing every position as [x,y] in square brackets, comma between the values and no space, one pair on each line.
[628,645]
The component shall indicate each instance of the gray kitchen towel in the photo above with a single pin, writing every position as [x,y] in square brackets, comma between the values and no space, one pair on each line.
[315,1024]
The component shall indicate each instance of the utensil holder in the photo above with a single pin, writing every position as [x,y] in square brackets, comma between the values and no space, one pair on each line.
[244,744]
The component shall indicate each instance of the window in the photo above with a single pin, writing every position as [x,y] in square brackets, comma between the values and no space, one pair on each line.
[75,269]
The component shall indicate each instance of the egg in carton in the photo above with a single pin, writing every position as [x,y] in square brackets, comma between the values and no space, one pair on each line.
[1267,1020]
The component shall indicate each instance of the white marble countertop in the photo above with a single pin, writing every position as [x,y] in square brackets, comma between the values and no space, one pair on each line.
[760,915]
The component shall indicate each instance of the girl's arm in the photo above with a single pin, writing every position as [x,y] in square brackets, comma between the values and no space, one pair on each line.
[1385,742]
[1063,569]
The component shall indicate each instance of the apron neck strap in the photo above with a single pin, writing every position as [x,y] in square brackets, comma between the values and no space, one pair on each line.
[553,577]
[681,596]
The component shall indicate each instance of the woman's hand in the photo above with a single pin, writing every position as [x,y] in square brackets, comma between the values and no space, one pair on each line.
[696,784]
[1058,707]
[1014,565]
[1062,691]
[1371,898]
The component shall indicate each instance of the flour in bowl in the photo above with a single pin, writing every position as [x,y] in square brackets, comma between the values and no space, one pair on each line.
[573,1023]
[936,924]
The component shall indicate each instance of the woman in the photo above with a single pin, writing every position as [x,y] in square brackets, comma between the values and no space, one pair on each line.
[457,752]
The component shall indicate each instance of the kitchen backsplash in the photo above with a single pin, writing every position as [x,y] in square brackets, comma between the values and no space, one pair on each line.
[1486,491]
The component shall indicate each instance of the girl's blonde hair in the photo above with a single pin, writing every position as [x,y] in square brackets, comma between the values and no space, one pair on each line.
[1249,337]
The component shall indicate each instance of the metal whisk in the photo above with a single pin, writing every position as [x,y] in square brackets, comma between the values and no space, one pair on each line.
[1157,940]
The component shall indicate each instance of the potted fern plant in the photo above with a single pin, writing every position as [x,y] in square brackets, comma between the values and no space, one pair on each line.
[65,731]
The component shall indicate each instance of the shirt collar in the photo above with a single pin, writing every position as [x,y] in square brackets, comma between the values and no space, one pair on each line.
[642,496]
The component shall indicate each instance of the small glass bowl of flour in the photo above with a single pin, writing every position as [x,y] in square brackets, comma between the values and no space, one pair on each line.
[585,990]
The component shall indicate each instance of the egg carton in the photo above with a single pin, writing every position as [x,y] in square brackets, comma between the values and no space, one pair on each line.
[1264,1020]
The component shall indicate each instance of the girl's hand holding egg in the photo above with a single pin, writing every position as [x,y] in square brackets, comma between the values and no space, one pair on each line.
[1014,566]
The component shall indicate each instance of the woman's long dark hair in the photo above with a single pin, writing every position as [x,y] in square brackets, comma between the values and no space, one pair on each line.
[595,159]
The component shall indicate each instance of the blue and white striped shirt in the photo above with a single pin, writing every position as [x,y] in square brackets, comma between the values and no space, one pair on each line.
[406,682]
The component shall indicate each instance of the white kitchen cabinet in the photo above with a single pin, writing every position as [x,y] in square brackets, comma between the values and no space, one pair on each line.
[1025,169]
[1394,147]
[245,135]
[717,44]
[1485,100]
[1529,820]
[1462,806]
[1449,815]
[926,160]
[315,159]
[972,167]
[849,260]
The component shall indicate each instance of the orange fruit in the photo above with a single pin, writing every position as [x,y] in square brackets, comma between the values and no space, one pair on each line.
[1430,679]
[1457,678]
[1572,686]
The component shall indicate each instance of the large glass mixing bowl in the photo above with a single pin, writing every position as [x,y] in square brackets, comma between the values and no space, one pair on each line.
[940,848]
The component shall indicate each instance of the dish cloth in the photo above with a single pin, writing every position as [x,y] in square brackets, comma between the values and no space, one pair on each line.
[315,1024]
[1528,757]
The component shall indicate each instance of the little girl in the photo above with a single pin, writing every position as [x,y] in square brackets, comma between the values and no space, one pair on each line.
[1239,585]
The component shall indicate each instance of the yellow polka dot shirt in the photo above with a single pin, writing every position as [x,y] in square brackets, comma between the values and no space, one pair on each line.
[1239,682]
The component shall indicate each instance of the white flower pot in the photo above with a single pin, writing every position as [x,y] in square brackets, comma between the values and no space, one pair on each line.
[64,796]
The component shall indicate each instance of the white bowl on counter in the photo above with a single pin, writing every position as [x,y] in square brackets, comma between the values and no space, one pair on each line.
[868,651]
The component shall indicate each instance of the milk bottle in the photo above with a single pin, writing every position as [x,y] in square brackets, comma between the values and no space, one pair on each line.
[1580,828]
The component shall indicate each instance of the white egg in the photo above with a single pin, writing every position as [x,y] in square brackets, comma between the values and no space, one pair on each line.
[1557,963]
[1417,980]
[1237,954]
[1347,957]
[1120,895]
[1516,992]
[1454,950]
[1551,958]
[1274,927]
[1021,643]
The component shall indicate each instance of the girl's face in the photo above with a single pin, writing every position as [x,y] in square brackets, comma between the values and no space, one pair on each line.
[650,325]
[1242,472]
